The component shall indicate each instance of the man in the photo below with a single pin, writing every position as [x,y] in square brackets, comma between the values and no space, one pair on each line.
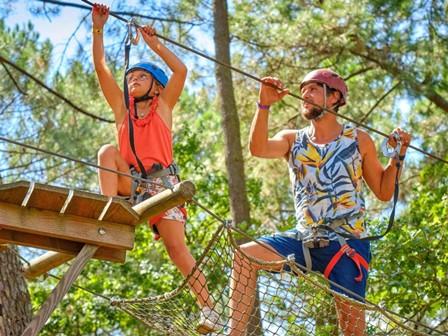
[327,162]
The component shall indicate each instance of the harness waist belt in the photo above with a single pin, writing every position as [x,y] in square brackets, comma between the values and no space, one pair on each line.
[172,169]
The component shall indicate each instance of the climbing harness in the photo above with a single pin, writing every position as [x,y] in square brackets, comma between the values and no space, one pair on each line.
[317,237]
[140,191]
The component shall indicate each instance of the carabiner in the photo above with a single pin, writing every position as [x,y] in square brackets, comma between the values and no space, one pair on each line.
[390,151]
[132,23]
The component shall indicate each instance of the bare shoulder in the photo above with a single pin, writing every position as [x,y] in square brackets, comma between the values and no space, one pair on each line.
[163,105]
[165,112]
[288,137]
[287,134]
[365,141]
[363,135]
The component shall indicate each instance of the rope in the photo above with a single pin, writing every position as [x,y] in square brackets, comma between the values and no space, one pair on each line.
[66,157]
[305,307]
[213,256]
[46,274]
[246,74]
[155,18]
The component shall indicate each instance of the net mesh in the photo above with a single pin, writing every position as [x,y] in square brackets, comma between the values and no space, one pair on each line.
[283,302]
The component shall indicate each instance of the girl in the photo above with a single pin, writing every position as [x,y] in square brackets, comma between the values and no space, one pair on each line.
[145,142]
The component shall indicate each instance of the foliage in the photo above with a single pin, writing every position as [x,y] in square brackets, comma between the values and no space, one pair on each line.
[411,264]
[376,45]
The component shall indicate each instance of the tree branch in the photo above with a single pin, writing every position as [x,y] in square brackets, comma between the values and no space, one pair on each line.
[8,105]
[67,101]
[356,73]
[380,59]
[13,80]
[68,4]
[69,40]
[363,119]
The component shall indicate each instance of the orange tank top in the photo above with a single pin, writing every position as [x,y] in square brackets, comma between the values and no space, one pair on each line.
[152,139]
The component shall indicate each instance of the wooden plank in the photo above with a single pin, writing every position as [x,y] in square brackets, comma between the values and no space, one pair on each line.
[44,263]
[85,230]
[90,207]
[60,290]
[58,245]
[167,199]
[82,204]
[13,192]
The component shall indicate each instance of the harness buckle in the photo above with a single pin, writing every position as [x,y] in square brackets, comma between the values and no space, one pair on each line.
[350,252]
[317,238]
[173,169]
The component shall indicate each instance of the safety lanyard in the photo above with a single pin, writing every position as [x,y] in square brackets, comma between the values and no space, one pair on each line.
[127,50]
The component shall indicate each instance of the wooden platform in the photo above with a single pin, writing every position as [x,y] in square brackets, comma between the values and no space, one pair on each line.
[64,220]
[74,223]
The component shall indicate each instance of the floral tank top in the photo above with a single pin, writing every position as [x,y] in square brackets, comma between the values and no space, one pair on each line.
[327,181]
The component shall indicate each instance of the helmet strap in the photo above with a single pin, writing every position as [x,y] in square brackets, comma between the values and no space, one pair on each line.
[324,110]
[146,96]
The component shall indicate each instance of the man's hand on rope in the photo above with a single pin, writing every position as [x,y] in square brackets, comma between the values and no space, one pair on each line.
[149,35]
[271,91]
[403,137]
[100,14]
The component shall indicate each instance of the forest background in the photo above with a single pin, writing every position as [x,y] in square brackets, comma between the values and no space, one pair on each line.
[391,53]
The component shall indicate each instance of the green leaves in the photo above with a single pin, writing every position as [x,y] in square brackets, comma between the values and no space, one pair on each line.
[374,45]
[411,262]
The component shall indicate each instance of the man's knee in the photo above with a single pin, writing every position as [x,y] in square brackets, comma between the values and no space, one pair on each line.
[107,152]
[246,256]
[241,255]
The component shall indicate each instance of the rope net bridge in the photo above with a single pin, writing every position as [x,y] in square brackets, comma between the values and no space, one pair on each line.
[289,303]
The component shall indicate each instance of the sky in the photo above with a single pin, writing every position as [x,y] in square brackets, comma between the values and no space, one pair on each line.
[58,29]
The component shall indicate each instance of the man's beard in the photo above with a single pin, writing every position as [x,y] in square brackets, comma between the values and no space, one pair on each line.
[314,113]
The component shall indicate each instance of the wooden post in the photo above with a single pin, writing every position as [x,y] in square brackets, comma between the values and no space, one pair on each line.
[44,263]
[167,199]
[60,290]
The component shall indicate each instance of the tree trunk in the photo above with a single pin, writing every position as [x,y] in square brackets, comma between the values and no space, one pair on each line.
[15,305]
[230,121]
[239,203]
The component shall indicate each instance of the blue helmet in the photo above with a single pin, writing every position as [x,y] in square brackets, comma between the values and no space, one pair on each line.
[157,73]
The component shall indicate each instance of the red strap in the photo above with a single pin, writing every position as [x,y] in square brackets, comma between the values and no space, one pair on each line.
[352,254]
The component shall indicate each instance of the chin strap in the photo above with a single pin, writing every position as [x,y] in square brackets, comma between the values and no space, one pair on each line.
[324,110]
[146,96]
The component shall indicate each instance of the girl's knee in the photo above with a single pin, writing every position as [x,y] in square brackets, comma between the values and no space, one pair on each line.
[107,151]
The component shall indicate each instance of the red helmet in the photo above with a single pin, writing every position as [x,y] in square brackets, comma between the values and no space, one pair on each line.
[329,78]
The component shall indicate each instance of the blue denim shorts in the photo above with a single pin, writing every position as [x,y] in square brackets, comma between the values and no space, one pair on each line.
[344,272]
